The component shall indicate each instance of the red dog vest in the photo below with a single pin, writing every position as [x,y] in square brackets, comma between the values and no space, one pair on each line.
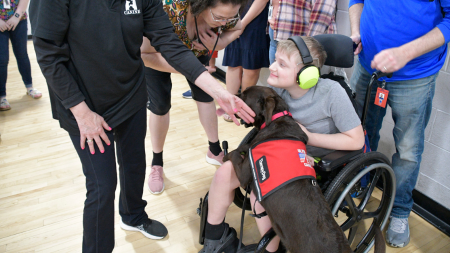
[278,162]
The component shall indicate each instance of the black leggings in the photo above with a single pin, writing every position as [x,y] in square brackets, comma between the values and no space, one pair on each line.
[159,87]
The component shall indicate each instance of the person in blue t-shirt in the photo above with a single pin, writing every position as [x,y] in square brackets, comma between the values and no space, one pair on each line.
[408,38]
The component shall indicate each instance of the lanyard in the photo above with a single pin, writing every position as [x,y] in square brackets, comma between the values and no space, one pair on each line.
[199,40]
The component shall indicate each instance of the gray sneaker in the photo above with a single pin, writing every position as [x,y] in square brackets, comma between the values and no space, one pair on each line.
[4,105]
[397,234]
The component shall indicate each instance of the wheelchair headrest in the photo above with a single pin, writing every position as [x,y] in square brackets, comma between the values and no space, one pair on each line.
[339,49]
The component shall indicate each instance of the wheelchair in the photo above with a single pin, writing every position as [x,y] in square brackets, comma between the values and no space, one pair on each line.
[351,181]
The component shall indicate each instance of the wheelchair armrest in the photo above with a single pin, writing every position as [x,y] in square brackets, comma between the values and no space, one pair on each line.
[336,159]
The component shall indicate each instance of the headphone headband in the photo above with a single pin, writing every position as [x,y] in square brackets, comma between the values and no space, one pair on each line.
[304,51]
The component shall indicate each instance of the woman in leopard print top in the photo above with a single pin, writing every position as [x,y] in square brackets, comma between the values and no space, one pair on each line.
[199,24]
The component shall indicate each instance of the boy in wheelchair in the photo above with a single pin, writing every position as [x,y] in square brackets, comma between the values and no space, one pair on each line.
[324,112]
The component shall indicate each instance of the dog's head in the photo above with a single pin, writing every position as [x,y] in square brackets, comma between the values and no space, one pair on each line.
[265,102]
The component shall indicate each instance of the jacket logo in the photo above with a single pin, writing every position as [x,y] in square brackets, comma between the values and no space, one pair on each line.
[261,165]
[301,155]
[131,7]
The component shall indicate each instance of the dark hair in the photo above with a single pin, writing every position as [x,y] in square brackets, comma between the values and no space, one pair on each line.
[198,6]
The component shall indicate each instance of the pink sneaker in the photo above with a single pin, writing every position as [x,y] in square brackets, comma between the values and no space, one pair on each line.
[156,180]
[214,160]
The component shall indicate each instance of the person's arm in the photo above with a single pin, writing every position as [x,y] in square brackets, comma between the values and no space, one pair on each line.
[159,30]
[52,57]
[21,8]
[157,62]
[393,59]
[340,109]
[354,12]
[53,54]
[153,59]
[350,140]
[275,10]
[254,10]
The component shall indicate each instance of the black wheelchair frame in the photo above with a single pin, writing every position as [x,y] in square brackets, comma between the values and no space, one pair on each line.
[341,174]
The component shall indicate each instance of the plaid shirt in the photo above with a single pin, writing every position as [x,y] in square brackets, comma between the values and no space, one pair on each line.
[305,18]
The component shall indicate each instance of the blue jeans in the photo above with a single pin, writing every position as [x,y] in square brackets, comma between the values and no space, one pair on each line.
[272,47]
[19,44]
[411,103]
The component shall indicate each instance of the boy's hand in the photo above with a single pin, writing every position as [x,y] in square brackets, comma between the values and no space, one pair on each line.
[305,130]
[310,160]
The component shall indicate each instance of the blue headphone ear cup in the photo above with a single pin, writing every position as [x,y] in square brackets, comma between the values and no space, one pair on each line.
[308,76]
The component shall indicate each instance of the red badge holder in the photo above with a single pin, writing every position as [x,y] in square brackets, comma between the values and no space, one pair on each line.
[381,96]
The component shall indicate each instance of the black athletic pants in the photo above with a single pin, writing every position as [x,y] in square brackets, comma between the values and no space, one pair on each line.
[101,180]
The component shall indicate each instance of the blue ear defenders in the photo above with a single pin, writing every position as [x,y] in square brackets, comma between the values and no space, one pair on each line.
[308,76]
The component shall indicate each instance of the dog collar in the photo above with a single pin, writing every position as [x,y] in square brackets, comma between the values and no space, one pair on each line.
[276,116]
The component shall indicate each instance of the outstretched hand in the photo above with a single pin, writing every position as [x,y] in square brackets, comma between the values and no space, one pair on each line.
[234,105]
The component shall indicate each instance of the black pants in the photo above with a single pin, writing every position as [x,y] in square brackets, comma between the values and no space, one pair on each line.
[101,181]
[159,87]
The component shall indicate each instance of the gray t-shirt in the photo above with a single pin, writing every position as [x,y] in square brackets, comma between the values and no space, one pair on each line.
[324,109]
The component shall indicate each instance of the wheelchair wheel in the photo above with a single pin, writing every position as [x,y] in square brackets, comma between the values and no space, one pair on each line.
[239,193]
[358,209]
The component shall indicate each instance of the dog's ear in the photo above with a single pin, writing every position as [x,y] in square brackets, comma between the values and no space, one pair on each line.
[269,105]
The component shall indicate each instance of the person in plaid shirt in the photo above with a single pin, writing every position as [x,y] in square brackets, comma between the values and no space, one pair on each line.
[299,18]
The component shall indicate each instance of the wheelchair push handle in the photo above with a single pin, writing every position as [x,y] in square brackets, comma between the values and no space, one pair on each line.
[378,74]
[225,147]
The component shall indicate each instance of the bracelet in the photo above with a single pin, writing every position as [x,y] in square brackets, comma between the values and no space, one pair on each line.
[17,15]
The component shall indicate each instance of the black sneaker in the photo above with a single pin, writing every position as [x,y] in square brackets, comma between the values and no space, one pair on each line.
[152,229]
[228,243]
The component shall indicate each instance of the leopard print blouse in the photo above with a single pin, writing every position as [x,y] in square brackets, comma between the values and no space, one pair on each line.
[177,11]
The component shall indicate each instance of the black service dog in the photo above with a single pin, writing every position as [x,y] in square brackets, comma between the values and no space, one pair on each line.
[299,213]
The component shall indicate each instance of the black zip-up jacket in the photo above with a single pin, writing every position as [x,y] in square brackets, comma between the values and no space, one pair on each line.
[90,51]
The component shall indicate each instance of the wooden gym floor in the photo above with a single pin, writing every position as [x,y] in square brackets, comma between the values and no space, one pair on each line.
[42,186]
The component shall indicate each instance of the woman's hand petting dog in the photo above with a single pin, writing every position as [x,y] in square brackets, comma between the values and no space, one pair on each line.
[246,115]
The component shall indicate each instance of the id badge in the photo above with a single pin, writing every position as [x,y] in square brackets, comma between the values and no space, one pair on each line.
[381,97]
[270,12]
[7,4]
